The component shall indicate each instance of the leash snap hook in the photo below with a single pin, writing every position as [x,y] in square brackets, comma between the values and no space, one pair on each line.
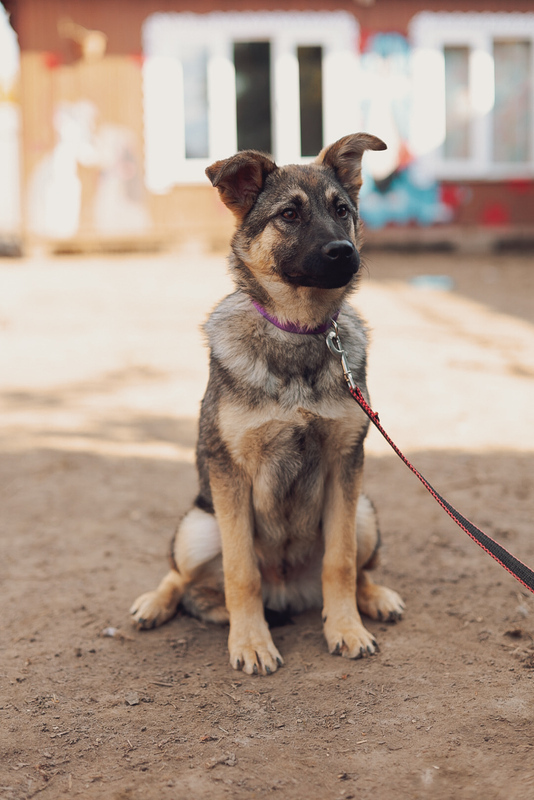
[333,342]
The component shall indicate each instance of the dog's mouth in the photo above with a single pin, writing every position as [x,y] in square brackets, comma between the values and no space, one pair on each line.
[331,267]
[326,282]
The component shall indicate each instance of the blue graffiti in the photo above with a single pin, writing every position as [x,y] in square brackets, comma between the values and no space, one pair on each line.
[402,196]
[401,200]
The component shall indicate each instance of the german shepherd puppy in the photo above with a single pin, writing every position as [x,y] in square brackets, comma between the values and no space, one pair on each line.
[279,521]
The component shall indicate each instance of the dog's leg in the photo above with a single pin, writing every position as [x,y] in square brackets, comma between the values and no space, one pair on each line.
[377,602]
[197,541]
[343,627]
[250,643]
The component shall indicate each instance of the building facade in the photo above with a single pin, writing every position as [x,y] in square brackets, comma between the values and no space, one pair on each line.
[125,102]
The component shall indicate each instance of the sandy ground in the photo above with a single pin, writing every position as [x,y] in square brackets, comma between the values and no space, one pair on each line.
[101,371]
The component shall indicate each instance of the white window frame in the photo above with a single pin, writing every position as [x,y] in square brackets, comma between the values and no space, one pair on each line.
[337,32]
[430,34]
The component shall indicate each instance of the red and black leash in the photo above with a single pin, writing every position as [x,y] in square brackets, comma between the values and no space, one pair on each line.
[509,562]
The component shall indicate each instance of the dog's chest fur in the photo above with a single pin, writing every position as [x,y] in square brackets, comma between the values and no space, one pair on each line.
[277,411]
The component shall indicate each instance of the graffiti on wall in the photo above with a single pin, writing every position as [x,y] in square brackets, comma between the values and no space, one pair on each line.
[394,191]
[109,201]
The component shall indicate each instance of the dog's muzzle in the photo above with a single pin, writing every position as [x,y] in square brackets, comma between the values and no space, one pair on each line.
[333,265]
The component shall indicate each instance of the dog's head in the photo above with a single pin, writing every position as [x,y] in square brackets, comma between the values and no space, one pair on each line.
[297,225]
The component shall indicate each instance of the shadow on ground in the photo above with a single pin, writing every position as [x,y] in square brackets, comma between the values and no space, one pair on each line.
[444,710]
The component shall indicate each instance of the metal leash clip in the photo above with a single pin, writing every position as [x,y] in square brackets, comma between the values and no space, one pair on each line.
[333,342]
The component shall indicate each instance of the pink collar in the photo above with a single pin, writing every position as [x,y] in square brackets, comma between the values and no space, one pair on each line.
[292,327]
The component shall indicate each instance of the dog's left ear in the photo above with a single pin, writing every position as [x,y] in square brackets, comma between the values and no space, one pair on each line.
[345,158]
[240,179]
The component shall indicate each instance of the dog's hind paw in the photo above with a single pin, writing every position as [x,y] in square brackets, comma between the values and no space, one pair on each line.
[154,608]
[147,611]
[380,603]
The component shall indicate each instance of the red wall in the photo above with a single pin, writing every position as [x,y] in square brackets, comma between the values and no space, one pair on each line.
[36,20]
[491,203]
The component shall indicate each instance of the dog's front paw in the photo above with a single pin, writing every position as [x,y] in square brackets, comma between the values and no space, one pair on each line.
[381,603]
[348,637]
[253,651]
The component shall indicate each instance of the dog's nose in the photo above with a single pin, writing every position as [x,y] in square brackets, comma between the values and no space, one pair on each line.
[338,250]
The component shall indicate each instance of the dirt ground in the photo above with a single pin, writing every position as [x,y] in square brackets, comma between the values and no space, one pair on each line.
[102,368]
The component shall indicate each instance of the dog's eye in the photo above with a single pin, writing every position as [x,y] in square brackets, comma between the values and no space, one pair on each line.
[289,214]
[342,211]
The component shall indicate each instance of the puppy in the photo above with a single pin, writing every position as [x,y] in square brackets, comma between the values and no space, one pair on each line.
[279,522]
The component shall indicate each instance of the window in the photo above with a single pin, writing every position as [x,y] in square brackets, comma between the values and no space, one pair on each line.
[282,82]
[512,116]
[252,61]
[474,94]
[311,99]
[195,77]
[456,144]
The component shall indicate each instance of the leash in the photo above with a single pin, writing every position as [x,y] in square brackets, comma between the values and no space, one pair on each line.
[509,562]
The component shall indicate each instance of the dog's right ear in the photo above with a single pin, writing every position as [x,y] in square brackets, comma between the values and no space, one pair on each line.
[240,179]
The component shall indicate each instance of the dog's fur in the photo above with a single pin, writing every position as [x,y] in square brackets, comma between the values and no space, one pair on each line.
[279,520]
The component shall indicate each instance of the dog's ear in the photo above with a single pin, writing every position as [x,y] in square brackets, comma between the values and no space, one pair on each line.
[240,179]
[345,158]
